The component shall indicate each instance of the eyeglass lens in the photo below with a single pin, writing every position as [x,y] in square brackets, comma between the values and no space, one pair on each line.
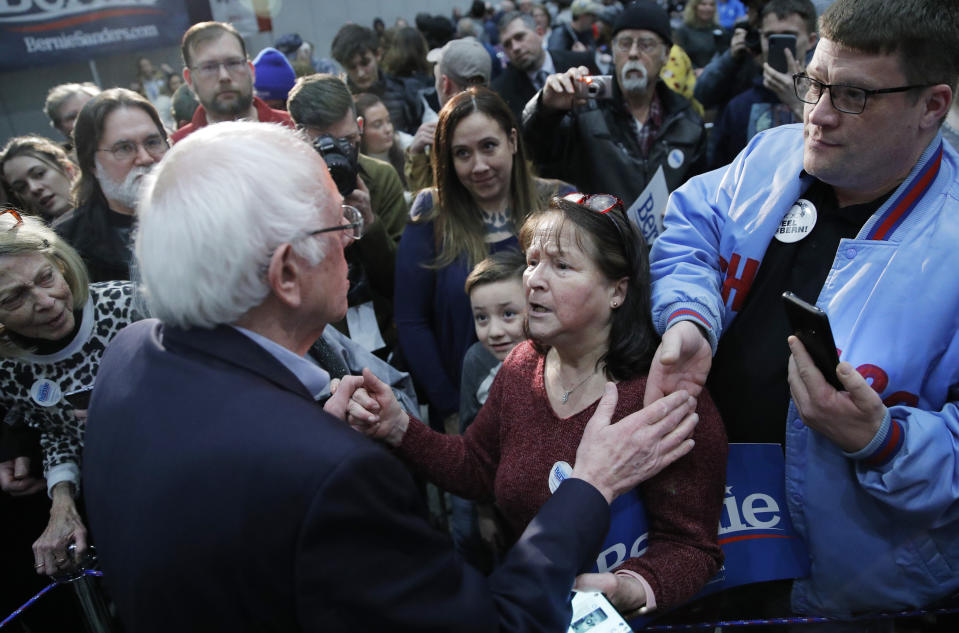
[233,66]
[848,99]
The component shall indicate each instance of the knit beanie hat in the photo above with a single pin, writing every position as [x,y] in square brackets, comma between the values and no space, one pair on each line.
[646,16]
[274,75]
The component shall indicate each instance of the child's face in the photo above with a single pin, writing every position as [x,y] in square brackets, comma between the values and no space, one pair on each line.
[498,312]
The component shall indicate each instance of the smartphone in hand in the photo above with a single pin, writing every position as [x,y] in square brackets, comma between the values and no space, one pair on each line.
[776,53]
[811,326]
[592,612]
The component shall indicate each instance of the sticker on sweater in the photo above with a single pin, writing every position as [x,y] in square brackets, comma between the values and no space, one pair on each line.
[559,473]
[675,158]
[45,392]
[798,223]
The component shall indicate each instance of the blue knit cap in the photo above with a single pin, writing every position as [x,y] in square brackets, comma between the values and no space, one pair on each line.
[274,75]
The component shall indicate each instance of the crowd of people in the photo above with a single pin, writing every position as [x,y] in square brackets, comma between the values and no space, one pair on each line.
[253,311]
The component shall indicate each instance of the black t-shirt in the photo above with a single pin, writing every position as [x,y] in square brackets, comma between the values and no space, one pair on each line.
[748,376]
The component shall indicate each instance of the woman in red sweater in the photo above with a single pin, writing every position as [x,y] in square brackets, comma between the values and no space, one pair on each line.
[588,305]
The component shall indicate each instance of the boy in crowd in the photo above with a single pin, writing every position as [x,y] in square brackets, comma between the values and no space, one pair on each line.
[495,289]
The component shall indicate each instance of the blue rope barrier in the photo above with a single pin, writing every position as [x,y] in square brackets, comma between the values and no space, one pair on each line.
[62,581]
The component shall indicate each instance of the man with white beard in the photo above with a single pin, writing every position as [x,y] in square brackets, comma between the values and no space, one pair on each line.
[119,138]
[617,144]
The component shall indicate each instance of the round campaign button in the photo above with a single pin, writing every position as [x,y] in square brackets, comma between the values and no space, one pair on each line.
[675,158]
[45,392]
[557,474]
[798,223]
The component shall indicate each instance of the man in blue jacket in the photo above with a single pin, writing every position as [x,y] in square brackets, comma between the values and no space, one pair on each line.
[855,210]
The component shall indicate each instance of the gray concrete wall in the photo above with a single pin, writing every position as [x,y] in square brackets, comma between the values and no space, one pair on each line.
[22,93]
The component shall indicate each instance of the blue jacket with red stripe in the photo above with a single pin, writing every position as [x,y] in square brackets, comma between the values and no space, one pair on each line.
[881,525]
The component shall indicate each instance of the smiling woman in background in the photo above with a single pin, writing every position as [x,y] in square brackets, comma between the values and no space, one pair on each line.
[484,192]
[39,176]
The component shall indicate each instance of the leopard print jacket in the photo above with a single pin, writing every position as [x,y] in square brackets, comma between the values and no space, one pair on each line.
[73,369]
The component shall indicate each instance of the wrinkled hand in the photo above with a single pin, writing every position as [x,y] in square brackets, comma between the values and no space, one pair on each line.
[15,478]
[360,198]
[423,137]
[682,361]
[615,458]
[850,418]
[782,83]
[624,592]
[560,91]
[65,527]
[371,407]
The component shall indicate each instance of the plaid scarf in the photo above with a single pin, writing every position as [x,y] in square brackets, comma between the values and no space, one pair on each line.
[646,134]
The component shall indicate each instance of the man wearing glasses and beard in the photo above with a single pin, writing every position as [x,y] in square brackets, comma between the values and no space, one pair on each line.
[217,70]
[119,138]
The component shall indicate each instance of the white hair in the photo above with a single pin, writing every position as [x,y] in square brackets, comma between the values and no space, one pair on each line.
[213,212]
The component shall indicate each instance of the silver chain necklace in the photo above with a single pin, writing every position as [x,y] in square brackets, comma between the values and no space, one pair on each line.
[582,382]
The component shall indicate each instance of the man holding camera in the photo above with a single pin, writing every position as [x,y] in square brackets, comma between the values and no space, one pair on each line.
[771,100]
[322,106]
[617,143]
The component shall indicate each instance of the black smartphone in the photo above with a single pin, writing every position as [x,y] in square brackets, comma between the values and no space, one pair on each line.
[811,326]
[776,53]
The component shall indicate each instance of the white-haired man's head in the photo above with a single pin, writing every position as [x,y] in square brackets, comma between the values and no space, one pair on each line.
[216,208]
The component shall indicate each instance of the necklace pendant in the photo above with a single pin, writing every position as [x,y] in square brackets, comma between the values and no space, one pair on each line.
[565,396]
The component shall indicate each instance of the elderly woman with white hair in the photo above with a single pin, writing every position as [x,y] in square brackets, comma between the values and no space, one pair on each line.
[54,326]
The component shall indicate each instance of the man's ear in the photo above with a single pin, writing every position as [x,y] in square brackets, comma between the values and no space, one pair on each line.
[936,103]
[283,276]
[187,77]
[360,122]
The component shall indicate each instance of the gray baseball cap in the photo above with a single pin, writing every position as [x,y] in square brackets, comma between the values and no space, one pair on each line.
[465,61]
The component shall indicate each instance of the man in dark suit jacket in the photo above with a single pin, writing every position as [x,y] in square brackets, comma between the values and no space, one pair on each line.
[222,497]
[529,64]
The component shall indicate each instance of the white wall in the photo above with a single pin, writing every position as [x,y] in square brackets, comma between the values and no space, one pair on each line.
[22,93]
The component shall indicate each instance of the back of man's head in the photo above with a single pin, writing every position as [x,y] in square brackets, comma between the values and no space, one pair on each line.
[319,101]
[184,105]
[204,32]
[62,93]
[465,61]
[89,129]
[352,40]
[921,32]
[782,9]
[216,202]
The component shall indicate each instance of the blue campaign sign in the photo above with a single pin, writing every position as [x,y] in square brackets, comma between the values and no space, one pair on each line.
[755,531]
[42,32]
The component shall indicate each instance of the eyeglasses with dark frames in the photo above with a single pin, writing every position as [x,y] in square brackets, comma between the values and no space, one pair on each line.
[16,216]
[123,151]
[848,99]
[211,69]
[353,226]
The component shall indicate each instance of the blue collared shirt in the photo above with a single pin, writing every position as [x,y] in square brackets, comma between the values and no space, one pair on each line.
[314,378]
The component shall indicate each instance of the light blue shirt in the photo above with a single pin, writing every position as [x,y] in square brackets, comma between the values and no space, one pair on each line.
[314,378]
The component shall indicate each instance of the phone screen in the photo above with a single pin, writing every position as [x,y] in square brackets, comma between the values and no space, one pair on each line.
[776,56]
[592,612]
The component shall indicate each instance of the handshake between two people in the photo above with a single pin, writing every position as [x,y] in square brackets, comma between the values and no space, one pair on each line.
[613,458]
